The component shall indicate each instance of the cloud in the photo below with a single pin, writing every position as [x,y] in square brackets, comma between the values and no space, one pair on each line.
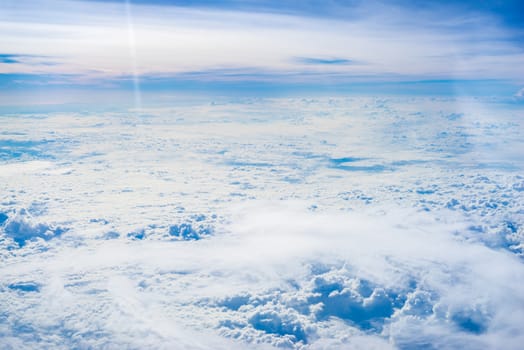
[520,94]
[281,275]
[230,224]
[9,59]
[322,61]
[31,60]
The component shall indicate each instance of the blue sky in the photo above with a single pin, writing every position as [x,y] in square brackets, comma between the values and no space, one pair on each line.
[509,11]
[260,47]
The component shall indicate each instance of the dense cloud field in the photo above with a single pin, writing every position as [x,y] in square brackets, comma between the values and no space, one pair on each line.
[294,223]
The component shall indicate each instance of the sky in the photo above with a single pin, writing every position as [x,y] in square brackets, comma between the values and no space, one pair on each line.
[59,51]
[261,174]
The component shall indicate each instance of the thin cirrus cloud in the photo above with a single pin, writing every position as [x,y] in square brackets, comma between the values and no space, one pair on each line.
[22,59]
[324,61]
[8,59]
[101,41]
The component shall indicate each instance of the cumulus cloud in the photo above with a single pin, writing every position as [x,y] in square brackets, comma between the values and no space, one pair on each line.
[385,223]
[283,276]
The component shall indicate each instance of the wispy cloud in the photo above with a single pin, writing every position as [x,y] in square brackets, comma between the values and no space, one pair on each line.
[324,61]
[24,59]
[8,59]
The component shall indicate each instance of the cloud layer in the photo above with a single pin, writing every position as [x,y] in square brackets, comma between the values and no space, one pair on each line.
[298,223]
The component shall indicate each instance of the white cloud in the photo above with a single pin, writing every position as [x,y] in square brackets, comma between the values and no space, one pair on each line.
[284,260]
[520,94]
[311,246]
